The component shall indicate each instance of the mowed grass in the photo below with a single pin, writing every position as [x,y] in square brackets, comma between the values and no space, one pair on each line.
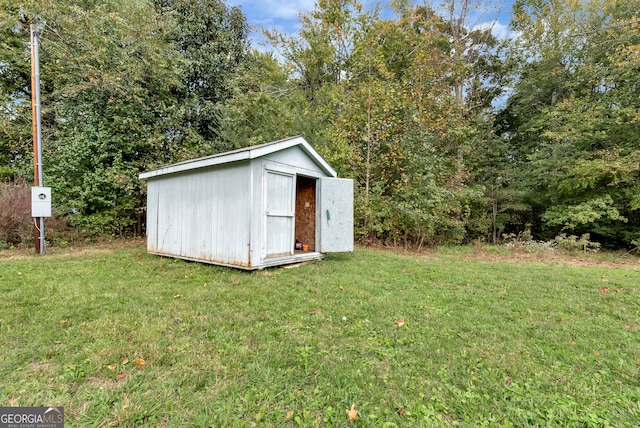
[122,338]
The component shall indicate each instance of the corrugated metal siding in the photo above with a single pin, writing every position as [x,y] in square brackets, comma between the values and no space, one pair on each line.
[152,216]
[170,216]
[204,214]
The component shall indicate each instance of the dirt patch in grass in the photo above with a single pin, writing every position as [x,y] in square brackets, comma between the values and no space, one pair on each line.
[42,367]
[610,260]
[490,253]
[23,252]
[104,382]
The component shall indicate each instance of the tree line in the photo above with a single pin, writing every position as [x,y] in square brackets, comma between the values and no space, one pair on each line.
[450,133]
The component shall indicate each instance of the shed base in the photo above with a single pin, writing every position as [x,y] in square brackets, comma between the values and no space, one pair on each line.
[270,262]
[287,260]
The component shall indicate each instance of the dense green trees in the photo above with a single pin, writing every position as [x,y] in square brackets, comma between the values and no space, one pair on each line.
[126,85]
[401,106]
[574,116]
[403,101]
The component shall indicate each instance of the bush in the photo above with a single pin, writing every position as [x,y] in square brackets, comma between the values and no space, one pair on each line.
[561,243]
[16,223]
[572,243]
[524,241]
[15,212]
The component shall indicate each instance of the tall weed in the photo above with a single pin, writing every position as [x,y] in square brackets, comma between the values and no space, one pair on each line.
[15,212]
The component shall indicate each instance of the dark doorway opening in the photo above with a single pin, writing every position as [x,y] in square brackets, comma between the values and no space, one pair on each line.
[305,218]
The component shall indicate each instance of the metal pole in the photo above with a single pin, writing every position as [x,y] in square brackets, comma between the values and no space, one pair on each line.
[37,133]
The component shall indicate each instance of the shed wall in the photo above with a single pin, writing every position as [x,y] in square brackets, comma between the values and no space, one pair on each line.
[202,214]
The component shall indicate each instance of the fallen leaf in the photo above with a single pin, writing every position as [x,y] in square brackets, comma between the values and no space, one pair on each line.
[298,392]
[341,288]
[111,367]
[289,414]
[596,353]
[604,290]
[139,254]
[352,413]
[508,381]
[63,321]
[125,362]
[57,342]
[177,296]
[120,375]
[401,411]
[400,322]
[84,324]
[140,361]
[473,378]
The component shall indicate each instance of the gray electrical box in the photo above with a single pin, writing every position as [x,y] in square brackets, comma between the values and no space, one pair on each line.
[41,201]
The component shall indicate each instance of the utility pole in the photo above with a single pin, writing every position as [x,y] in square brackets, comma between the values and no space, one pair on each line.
[37,133]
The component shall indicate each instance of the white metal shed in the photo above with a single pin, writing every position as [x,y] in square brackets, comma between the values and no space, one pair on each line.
[246,208]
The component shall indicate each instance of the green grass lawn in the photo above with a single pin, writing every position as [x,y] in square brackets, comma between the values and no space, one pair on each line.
[121,338]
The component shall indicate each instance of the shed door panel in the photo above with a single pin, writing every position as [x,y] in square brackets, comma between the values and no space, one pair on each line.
[335,203]
[280,203]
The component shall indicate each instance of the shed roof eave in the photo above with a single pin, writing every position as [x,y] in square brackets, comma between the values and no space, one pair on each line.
[195,164]
[246,153]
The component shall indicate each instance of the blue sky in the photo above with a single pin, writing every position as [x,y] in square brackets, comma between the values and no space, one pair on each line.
[283,15]
[274,13]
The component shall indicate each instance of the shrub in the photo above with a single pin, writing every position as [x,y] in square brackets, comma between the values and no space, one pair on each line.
[521,237]
[15,212]
[16,223]
[524,241]
[572,243]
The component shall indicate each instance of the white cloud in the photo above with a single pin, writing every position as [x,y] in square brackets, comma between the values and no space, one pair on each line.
[499,30]
[288,9]
[278,14]
[272,10]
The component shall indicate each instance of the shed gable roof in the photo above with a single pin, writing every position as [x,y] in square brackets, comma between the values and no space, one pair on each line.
[246,153]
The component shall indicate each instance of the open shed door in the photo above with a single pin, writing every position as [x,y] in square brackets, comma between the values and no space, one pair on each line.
[335,203]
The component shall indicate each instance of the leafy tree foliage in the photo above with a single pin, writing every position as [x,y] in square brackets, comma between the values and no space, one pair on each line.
[211,39]
[400,101]
[575,116]
[395,115]
[126,85]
